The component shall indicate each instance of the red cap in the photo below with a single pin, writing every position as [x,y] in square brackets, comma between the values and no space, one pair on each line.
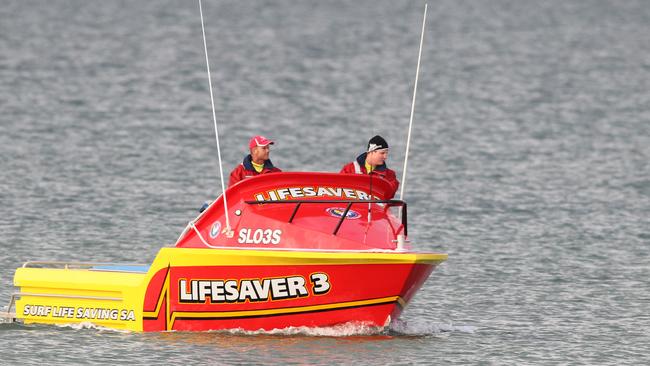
[259,141]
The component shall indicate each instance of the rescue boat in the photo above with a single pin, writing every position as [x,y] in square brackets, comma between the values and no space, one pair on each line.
[275,251]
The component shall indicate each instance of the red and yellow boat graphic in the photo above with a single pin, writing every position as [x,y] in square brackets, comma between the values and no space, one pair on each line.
[295,261]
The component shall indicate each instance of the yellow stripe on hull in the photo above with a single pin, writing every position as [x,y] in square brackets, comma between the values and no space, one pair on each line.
[238,257]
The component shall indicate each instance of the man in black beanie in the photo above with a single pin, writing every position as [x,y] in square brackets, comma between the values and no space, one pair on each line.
[373,161]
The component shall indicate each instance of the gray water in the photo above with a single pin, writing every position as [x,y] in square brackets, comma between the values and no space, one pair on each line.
[528,163]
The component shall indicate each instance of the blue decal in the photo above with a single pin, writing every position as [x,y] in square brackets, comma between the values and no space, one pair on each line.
[216,228]
[338,212]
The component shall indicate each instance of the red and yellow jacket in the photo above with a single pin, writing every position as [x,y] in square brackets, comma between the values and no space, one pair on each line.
[358,166]
[246,170]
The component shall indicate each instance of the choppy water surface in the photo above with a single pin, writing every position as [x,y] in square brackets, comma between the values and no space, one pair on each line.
[529,162]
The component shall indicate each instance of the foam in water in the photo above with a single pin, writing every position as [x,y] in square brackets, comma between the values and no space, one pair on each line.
[342,330]
[397,328]
[400,327]
[89,325]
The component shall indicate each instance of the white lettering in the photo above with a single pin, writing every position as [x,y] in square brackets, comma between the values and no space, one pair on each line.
[245,290]
[242,236]
[249,238]
[218,294]
[195,293]
[204,289]
[276,236]
[300,192]
[43,310]
[267,236]
[283,193]
[182,289]
[323,192]
[336,191]
[309,191]
[104,314]
[97,313]
[231,291]
[257,237]
[321,283]
[69,313]
[262,289]
[296,286]
[279,288]
[362,195]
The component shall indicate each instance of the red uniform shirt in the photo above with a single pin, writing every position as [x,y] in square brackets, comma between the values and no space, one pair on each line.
[246,170]
[359,167]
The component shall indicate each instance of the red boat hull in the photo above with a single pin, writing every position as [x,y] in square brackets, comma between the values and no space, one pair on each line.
[366,289]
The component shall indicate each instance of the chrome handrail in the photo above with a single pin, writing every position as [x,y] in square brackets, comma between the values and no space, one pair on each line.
[12,300]
[67,265]
[65,296]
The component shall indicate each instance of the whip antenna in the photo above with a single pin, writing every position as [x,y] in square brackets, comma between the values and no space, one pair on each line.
[227,230]
[415,89]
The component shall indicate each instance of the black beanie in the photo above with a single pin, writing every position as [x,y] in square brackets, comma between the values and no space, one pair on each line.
[377,143]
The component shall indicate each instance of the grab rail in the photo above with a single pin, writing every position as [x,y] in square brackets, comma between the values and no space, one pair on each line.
[59,296]
[298,203]
[78,265]
[12,300]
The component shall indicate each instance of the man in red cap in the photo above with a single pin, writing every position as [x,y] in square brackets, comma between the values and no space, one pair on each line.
[255,163]
[373,161]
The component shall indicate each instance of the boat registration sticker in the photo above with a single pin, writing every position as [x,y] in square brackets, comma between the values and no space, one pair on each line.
[215,229]
[338,212]
[259,236]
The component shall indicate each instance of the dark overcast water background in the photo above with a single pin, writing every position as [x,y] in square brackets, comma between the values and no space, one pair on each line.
[528,165]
